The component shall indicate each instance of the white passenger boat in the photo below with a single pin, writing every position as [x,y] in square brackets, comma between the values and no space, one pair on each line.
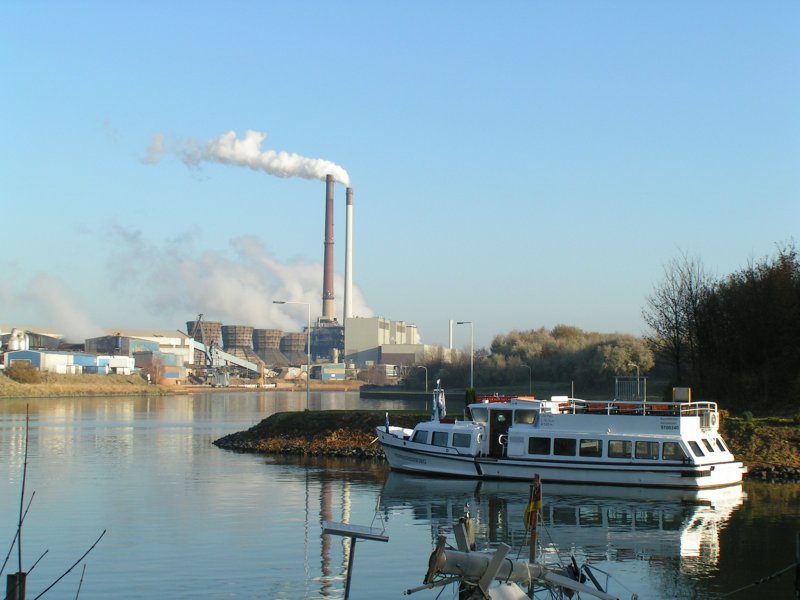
[563,439]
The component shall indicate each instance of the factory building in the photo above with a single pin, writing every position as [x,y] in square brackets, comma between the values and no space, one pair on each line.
[70,363]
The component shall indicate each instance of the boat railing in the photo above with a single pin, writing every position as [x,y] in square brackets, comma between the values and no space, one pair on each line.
[627,407]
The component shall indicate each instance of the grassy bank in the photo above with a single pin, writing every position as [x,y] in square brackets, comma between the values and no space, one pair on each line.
[55,385]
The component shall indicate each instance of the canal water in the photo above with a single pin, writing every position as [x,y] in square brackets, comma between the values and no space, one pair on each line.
[184,519]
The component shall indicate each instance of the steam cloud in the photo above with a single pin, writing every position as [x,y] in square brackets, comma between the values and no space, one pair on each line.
[229,150]
[235,288]
[61,310]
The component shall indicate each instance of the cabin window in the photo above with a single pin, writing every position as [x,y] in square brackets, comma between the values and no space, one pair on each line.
[696,448]
[564,447]
[525,416]
[538,445]
[591,448]
[421,437]
[672,451]
[708,445]
[721,445]
[462,440]
[619,449]
[440,438]
[480,414]
[648,450]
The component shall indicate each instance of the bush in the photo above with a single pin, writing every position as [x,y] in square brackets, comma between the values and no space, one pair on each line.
[23,373]
[747,416]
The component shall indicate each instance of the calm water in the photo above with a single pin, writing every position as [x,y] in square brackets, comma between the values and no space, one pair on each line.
[187,520]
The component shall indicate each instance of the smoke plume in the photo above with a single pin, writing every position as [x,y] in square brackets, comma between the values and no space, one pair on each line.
[60,309]
[246,152]
[237,287]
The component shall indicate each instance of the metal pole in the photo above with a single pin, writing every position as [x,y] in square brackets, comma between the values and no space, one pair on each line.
[350,567]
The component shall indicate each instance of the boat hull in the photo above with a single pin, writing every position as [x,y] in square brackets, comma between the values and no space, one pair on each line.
[406,456]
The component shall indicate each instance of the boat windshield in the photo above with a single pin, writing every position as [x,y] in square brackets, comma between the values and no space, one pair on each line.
[479,414]
[526,416]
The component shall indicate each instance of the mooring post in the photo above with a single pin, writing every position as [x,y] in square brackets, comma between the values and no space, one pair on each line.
[15,586]
[532,514]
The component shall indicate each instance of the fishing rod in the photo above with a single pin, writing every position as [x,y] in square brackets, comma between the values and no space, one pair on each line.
[47,589]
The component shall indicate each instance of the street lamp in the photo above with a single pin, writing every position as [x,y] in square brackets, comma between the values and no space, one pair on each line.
[308,347]
[471,350]
[426,376]
[530,377]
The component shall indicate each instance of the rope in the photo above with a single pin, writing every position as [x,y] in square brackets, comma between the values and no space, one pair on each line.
[762,580]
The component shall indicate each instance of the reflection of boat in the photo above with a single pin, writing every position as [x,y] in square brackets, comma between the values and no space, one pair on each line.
[495,574]
[605,522]
[674,444]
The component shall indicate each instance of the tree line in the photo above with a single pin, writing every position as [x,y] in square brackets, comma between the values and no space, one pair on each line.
[734,339]
[562,354]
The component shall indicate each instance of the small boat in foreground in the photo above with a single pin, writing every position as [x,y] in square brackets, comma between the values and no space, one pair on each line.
[568,440]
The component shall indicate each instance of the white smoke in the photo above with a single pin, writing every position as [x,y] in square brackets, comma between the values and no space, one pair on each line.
[61,310]
[238,288]
[228,149]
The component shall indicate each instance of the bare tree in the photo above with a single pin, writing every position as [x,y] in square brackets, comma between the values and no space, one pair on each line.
[671,312]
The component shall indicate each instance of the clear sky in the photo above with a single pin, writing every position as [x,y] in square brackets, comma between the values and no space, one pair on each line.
[514,164]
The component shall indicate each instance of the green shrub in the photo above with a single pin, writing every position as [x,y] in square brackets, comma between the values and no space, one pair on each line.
[747,416]
[23,373]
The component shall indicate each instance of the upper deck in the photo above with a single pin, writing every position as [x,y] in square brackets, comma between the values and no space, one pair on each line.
[562,413]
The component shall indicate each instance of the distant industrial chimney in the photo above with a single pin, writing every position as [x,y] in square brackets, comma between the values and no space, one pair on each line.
[327,275]
[348,257]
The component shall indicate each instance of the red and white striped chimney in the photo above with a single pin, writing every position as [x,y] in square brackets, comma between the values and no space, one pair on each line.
[327,274]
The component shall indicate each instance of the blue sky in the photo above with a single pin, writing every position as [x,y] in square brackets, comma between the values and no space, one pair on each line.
[516,164]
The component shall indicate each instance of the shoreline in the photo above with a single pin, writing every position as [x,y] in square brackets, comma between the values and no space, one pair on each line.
[351,434]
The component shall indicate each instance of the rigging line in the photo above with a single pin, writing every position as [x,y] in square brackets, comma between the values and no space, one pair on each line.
[14,541]
[47,589]
[762,580]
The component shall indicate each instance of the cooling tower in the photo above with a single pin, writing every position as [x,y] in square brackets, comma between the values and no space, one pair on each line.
[238,340]
[208,333]
[266,344]
[293,346]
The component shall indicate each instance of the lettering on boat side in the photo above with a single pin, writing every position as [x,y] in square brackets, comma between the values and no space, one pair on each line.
[546,420]
[414,459]
[670,424]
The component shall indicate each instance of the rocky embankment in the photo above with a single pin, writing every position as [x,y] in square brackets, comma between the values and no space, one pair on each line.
[318,433]
[771,451]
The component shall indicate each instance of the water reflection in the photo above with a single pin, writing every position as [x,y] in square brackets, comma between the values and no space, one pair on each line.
[596,522]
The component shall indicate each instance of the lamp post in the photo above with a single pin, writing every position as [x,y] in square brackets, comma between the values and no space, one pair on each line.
[471,350]
[308,347]
[530,377]
[426,376]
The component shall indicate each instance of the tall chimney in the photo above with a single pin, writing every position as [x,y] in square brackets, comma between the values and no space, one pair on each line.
[348,257]
[327,275]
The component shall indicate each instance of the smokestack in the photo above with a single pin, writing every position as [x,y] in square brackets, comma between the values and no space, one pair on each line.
[450,335]
[327,275]
[348,257]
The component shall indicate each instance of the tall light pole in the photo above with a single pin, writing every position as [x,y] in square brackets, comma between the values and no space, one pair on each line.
[308,347]
[471,350]
[426,376]
[530,377]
